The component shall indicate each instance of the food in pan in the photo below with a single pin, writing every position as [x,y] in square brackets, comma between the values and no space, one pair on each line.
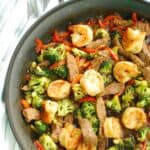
[89,86]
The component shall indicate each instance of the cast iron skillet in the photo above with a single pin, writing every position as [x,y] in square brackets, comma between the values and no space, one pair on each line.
[59,17]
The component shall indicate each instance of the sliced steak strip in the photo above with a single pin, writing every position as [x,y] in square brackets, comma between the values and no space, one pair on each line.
[143,26]
[114,88]
[31,114]
[98,43]
[95,63]
[146,73]
[56,129]
[128,55]
[145,54]
[72,66]
[69,119]
[89,136]
[101,113]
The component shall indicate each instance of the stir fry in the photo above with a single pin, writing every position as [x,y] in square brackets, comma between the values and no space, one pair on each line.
[89,86]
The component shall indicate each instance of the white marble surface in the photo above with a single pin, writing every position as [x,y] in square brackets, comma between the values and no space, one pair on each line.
[16,16]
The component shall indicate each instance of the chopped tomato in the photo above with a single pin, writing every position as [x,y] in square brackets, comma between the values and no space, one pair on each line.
[120,29]
[90,50]
[92,22]
[134,18]
[76,78]
[60,36]
[57,64]
[111,17]
[39,45]
[68,48]
[24,103]
[144,145]
[101,24]
[108,22]
[38,145]
[67,43]
[113,55]
[88,99]
[131,82]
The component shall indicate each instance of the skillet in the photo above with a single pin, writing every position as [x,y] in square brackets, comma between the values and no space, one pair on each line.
[73,11]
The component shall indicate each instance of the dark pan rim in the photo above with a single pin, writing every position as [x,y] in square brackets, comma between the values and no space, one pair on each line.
[11,63]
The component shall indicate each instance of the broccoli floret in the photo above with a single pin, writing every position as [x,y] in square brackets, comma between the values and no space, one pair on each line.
[144,102]
[36,100]
[39,127]
[107,79]
[115,36]
[40,57]
[115,49]
[61,71]
[143,93]
[148,145]
[42,71]
[140,87]
[101,33]
[54,54]
[143,133]
[33,66]
[114,104]
[47,142]
[39,84]
[65,107]
[78,52]
[128,96]
[95,123]
[113,148]
[78,92]
[28,97]
[90,56]
[106,71]
[78,113]
[125,144]
[88,110]
[106,67]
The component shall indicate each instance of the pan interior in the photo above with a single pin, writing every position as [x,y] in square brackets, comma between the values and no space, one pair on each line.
[74,11]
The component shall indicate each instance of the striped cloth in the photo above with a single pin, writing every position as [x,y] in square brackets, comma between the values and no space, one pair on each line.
[16,16]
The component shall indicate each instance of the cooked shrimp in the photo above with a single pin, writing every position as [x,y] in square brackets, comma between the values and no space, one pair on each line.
[112,128]
[134,118]
[70,137]
[125,70]
[59,89]
[83,146]
[133,40]
[82,35]
[49,109]
[92,82]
